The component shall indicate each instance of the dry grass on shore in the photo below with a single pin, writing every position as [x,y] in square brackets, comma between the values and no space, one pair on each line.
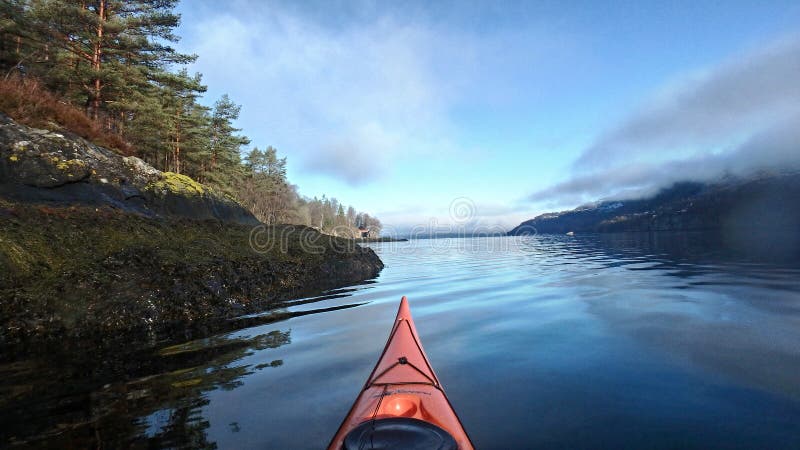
[28,102]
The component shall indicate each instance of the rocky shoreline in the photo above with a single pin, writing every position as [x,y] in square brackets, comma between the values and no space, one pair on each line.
[96,244]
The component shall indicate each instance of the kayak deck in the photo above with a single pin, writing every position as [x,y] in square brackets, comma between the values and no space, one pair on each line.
[404,389]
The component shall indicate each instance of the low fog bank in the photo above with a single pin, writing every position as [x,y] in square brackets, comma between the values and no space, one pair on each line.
[740,119]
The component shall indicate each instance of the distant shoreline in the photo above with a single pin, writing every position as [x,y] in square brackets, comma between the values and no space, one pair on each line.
[764,202]
[381,239]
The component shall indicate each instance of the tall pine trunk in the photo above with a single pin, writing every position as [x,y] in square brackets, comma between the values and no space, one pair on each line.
[97,53]
[178,142]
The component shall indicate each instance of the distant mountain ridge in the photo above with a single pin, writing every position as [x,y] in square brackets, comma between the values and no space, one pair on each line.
[767,201]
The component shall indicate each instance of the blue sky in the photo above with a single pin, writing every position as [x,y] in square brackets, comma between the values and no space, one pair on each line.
[398,108]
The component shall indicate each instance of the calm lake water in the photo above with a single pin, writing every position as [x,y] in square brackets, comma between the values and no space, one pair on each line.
[595,341]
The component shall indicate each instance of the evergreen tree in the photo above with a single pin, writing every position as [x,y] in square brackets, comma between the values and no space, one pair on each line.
[267,165]
[112,58]
[104,47]
[222,162]
[20,47]
[188,121]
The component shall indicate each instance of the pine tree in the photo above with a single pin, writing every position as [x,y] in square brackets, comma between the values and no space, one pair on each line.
[112,58]
[222,162]
[188,121]
[19,46]
[100,50]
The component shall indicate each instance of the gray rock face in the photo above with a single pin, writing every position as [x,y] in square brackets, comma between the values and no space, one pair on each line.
[44,166]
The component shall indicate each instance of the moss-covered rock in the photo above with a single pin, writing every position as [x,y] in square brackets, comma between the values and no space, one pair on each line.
[175,183]
[85,271]
[92,243]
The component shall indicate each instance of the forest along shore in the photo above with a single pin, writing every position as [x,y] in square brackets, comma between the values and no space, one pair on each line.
[128,202]
[96,244]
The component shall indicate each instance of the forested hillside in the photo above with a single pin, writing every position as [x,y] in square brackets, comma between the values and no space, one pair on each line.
[762,204]
[106,70]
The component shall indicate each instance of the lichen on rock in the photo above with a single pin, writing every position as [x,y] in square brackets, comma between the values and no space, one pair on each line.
[177,184]
[40,165]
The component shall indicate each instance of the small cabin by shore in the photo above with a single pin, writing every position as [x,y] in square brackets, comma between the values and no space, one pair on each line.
[364,232]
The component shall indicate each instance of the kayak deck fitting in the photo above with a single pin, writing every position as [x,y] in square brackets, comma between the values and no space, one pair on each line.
[402,404]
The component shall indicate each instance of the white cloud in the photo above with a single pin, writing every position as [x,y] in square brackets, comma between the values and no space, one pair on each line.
[708,109]
[777,148]
[348,91]
[736,118]
[457,215]
[343,100]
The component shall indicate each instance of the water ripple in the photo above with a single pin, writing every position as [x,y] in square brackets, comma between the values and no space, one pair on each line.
[635,341]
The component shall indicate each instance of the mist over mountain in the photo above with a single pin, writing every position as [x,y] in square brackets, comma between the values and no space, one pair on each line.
[760,210]
[735,119]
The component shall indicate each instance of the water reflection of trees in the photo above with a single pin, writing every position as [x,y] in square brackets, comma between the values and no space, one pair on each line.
[183,392]
[160,408]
